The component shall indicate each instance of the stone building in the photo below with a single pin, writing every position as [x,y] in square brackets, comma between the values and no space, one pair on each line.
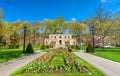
[60,40]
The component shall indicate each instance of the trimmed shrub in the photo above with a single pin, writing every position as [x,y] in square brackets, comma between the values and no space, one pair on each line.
[42,47]
[89,48]
[47,46]
[77,47]
[72,46]
[50,46]
[29,48]
[69,46]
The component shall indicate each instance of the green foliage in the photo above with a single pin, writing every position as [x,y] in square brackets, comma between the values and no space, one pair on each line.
[89,47]
[77,47]
[74,47]
[29,48]
[42,47]
[14,41]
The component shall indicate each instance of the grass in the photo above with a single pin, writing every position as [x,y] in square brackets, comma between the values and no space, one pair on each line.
[109,53]
[57,60]
[9,54]
[36,47]
[45,50]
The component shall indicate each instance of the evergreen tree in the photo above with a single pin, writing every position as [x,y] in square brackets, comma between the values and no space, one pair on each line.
[89,47]
[29,48]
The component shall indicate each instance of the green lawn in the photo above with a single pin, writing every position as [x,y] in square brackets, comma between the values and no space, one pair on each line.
[110,53]
[8,54]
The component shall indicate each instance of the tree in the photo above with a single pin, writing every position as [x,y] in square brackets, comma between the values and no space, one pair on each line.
[77,29]
[1,18]
[103,22]
[115,31]
[55,26]
[35,30]
[14,41]
[29,48]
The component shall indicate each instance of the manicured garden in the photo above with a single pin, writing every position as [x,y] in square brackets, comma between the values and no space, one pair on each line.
[109,53]
[58,62]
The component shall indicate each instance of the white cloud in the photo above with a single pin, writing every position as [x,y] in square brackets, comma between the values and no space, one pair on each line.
[73,19]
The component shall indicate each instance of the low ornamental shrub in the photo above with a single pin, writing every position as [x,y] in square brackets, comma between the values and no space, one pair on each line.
[47,46]
[77,47]
[29,48]
[42,47]
[73,47]
[89,48]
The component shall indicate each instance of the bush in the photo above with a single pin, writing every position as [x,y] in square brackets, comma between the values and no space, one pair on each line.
[73,47]
[47,46]
[89,48]
[42,47]
[50,46]
[29,48]
[77,47]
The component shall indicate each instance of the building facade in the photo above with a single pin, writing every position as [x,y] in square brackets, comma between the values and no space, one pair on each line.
[60,40]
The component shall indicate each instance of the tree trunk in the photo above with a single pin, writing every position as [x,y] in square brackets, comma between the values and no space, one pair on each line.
[103,43]
[34,38]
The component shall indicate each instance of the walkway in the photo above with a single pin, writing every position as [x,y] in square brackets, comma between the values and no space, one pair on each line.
[12,65]
[109,68]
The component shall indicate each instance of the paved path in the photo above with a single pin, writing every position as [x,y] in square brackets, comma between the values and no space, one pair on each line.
[12,65]
[109,68]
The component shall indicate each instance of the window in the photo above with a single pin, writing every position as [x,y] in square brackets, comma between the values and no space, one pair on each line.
[55,37]
[65,37]
[60,42]
[60,37]
[68,37]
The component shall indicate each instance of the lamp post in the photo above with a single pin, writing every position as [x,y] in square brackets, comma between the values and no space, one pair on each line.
[24,39]
[92,28]
[81,41]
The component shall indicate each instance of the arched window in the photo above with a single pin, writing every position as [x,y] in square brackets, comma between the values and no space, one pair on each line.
[55,37]
[60,37]
[68,37]
[65,37]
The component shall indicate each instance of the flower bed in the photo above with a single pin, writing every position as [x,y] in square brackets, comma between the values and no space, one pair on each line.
[57,61]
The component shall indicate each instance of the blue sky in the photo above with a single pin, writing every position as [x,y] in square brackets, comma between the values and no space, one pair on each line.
[34,10]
